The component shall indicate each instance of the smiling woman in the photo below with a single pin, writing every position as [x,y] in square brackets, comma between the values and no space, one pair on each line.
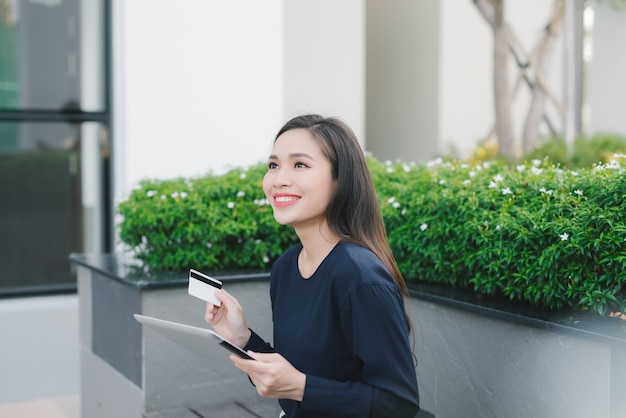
[324,290]
[298,183]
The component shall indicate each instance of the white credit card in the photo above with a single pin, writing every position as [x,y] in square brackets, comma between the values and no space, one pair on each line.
[204,287]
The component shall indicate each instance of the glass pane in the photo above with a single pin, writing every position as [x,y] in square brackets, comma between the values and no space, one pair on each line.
[51,54]
[43,212]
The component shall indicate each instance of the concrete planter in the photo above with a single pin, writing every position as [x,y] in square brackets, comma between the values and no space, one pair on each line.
[126,371]
[477,358]
[484,358]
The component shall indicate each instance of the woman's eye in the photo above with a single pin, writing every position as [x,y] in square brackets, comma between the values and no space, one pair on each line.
[300,165]
[271,166]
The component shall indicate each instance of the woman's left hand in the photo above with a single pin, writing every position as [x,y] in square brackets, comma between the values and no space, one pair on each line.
[273,376]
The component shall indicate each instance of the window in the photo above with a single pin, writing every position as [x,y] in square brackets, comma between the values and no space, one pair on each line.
[54,140]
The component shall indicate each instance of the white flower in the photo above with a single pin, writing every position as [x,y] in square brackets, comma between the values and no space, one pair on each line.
[442,182]
[391,199]
[613,164]
[466,182]
[423,226]
[396,205]
[497,227]
[574,173]
[241,193]
[404,213]
[434,162]
[506,191]
[564,236]
[493,185]
[231,205]
[209,244]
[257,241]
[536,163]
[578,192]
[151,193]
[520,168]
[266,259]
[261,202]
[176,195]
[389,169]
[548,192]
[243,176]
[498,178]
[472,173]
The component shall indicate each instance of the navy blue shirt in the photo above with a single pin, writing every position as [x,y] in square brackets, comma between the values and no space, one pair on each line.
[345,328]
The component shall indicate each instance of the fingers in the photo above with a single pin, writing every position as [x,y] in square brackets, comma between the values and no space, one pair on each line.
[209,314]
[225,297]
[264,362]
[213,310]
[273,376]
[228,319]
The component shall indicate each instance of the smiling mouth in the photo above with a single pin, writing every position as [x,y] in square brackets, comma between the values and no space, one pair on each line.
[281,201]
[285,199]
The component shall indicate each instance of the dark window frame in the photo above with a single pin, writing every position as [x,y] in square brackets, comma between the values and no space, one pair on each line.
[104,117]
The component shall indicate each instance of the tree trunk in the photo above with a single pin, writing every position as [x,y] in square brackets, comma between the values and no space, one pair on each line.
[569,119]
[493,12]
[502,97]
[543,60]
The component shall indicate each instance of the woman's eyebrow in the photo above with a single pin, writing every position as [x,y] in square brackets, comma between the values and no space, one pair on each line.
[293,155]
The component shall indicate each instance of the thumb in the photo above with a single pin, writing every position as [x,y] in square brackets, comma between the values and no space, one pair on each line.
[225,297]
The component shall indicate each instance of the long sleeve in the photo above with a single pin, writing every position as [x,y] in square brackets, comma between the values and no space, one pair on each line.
[345,329]
[257,344]
[376,331]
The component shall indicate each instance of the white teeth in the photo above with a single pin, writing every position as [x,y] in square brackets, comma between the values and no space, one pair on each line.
[285,198]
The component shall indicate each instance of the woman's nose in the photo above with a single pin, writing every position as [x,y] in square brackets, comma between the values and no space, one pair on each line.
[282,178]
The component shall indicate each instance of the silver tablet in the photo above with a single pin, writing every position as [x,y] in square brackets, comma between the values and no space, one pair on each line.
[199,341]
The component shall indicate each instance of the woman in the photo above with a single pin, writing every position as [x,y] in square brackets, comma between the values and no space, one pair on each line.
[341,334]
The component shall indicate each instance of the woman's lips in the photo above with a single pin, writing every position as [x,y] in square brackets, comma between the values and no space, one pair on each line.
[282,200]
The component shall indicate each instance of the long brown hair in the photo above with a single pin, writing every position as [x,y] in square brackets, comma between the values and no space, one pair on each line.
[353,212]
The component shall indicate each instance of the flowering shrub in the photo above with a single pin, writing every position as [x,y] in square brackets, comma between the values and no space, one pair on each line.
[210,223]
[533,232]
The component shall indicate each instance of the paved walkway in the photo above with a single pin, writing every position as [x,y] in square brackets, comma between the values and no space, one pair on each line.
[69,407]
[252,408]
[62,407]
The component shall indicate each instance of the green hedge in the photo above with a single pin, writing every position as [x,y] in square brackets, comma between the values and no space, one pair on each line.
[209,223]
[585,152]
[533,232]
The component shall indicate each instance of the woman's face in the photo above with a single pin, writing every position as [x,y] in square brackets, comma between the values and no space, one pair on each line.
[298,182]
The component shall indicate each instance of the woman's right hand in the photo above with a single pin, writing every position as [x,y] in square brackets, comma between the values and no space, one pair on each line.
[228,319]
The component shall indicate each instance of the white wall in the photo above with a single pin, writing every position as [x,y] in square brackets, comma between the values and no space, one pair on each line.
[324,49]
[199,86]
[204,85]
[39,349]
[608,72]
[402,71]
